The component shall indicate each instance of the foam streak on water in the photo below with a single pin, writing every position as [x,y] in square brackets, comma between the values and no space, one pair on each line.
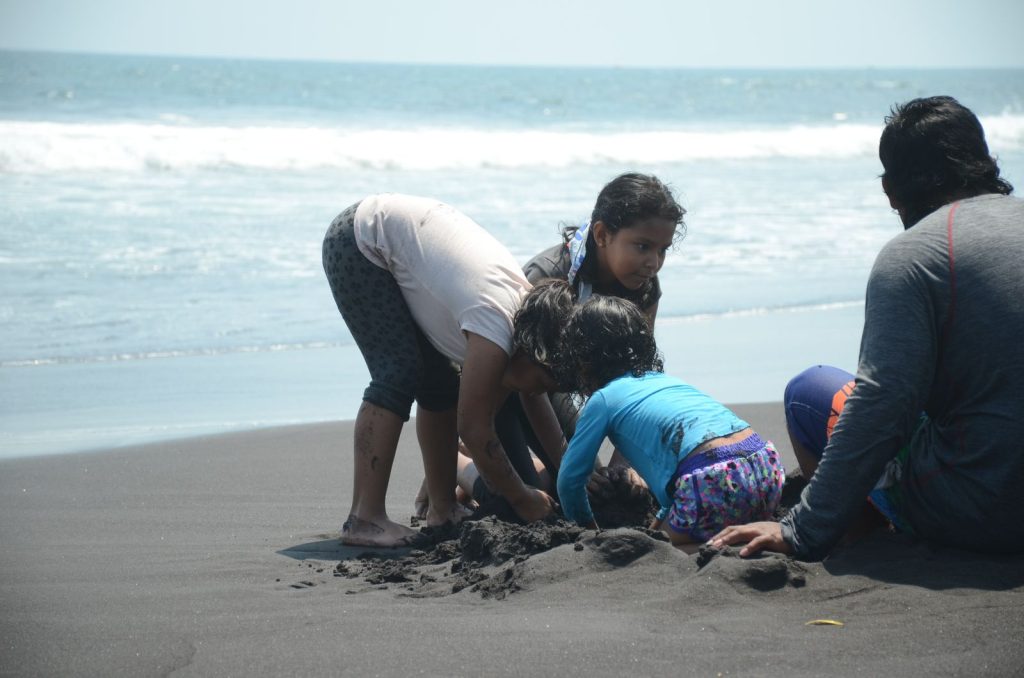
[134,147]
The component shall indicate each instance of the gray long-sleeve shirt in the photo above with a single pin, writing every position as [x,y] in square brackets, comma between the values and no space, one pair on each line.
[943,335]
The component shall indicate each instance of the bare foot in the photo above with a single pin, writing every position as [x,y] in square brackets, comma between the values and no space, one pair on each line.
[465,471]
[456,515]
[382,534]
[463,498]
[421,505]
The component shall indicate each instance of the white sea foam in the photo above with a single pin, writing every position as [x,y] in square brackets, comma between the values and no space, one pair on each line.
[42,147]
[759,311]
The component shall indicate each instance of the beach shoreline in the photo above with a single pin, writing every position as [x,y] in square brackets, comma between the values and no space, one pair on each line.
[217,555]
[88,406]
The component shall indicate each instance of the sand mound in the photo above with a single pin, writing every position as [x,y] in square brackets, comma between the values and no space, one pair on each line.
[494,555]
[494,558]
[484,556]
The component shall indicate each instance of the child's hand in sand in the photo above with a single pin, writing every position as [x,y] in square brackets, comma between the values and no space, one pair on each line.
[628,478]
[600,485]
[763,536]
[611,481]
[534,505]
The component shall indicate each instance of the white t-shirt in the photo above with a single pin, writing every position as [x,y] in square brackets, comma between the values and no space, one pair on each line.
[455,276]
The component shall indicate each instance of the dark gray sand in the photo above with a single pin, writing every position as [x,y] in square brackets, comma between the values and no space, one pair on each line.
[219,556]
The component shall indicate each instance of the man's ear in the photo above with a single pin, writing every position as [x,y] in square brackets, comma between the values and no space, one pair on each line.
[893,203]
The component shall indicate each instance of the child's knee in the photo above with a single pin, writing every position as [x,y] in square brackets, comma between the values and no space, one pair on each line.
[390,397]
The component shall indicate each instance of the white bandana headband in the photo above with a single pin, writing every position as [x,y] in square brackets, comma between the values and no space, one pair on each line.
[577,253]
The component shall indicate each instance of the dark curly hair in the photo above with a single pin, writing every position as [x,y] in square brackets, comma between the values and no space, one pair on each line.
[625,200]
[605,338]
[933,151]
[537,325]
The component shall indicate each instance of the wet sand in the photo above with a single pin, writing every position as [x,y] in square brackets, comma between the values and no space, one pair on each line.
[219,556]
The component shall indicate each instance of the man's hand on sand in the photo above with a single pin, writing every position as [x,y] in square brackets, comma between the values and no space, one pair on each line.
[534,505]
[764,536]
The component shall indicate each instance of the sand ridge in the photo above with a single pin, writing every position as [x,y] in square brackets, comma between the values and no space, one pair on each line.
[495,555]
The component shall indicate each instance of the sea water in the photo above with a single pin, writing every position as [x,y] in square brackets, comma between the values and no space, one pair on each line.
[161,218]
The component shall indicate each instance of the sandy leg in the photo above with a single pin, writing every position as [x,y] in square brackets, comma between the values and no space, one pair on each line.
[376,439]
[421,504]
[465,471]
[438,437]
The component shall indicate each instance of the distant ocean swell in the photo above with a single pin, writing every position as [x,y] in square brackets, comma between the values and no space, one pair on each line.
[45,147]
[157,355]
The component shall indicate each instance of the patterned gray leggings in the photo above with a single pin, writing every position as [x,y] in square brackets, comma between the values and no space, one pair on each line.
[404,366]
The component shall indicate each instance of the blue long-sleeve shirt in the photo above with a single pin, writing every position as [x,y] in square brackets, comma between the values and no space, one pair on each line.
[654,420]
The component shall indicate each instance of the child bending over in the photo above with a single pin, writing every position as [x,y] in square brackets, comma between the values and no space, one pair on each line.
[704,465]
[617,252]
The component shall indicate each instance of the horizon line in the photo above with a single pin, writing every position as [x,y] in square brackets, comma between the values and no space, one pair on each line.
[500,64]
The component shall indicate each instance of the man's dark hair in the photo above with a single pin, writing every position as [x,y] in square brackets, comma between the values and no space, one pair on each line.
[933,151]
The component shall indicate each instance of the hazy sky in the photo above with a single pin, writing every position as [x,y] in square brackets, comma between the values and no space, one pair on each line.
[708,33]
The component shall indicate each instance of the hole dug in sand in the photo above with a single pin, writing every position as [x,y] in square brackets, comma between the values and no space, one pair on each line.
[764,572]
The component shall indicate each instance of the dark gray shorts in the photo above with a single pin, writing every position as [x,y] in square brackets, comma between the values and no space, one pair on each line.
[404,366]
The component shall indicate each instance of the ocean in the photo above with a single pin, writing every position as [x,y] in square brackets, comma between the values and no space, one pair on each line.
[162,218]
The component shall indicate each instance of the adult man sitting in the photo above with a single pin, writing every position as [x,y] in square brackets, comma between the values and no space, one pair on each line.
[932,426]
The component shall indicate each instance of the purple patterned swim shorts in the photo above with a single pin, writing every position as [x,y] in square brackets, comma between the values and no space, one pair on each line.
[723,486]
